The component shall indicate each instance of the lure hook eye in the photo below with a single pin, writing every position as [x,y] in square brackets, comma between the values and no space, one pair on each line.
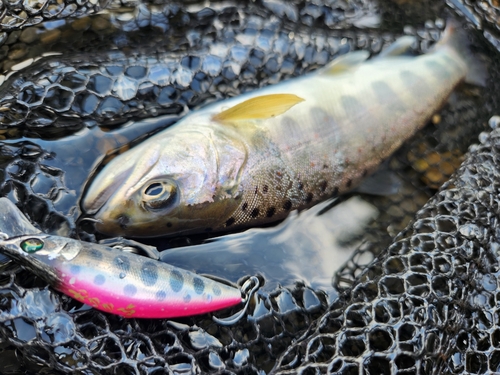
[159,194]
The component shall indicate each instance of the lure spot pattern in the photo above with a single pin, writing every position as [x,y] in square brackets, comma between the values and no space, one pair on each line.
[149,273]
[176,281]
[97,255]
[161,295]
[99,280]
[122,263]
[199,285]
[129,290]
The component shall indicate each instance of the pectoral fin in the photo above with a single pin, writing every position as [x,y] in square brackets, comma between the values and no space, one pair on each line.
[258,108]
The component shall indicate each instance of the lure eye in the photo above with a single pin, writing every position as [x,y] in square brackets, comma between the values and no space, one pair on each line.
[32,245]
[159,194]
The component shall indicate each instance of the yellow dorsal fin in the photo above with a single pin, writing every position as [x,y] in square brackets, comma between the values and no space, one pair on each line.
[258,108]
[345,62]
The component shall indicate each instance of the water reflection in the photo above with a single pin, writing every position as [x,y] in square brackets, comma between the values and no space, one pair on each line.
[310,246]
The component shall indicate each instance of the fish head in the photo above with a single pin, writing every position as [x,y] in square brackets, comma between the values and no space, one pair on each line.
[156,188]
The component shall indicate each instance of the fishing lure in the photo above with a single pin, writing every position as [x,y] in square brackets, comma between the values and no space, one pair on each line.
[251,159]
[122,283]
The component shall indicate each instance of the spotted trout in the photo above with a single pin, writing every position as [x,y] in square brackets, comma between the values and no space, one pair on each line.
[251,159]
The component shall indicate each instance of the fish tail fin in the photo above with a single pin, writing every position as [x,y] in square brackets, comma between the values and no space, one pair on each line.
[457,38]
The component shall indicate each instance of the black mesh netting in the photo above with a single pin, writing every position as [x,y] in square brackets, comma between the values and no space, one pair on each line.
[427,304]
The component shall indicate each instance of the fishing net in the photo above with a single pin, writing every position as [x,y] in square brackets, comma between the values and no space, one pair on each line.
[427,304]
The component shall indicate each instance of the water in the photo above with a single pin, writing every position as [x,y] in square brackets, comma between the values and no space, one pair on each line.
[309,247]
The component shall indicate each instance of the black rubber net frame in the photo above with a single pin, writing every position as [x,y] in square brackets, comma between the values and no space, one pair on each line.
[427,304]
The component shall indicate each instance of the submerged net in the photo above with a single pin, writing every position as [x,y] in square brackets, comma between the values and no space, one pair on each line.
[430,299]
[426,305]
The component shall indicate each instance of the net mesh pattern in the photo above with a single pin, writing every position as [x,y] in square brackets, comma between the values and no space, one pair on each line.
[426,305]
[431,297]
[19,14]
[209,54]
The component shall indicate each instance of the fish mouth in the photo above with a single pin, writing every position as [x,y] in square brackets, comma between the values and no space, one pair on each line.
[111,223]
[120,225]
[101,190]
[119,175]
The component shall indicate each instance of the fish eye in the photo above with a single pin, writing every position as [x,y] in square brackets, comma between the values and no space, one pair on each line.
[159,194]
[32,245]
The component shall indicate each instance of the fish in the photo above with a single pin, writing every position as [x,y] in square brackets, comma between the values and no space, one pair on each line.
[118,282]
[252,159]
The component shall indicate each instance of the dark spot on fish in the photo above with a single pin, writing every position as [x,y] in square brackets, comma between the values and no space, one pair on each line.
[453,63]
[75,270]
[408,77]
[230,221]
[384,93]
[123,221]
[309,197]
[438,70]
[187,298]
[99,279]
[199,285]
[323,185]
[216,289]
[176,281]
[287,205]
[325,166]
[265,189]
[160,295]
[95,254]
[244,207]
[169,225]
[300,186]
[270,212]
[348,183]
[416,84]
[122,263]
[129,290]
[350,104]
[256,189]
[149,273]
[255,212]
[335,191]
[365,172]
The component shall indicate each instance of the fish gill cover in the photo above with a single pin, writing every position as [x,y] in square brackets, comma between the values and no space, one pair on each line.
[428,304]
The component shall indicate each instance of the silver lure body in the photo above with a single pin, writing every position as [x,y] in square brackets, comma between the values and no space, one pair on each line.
[118,282]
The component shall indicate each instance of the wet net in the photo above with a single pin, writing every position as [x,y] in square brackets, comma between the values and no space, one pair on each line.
[427,304]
